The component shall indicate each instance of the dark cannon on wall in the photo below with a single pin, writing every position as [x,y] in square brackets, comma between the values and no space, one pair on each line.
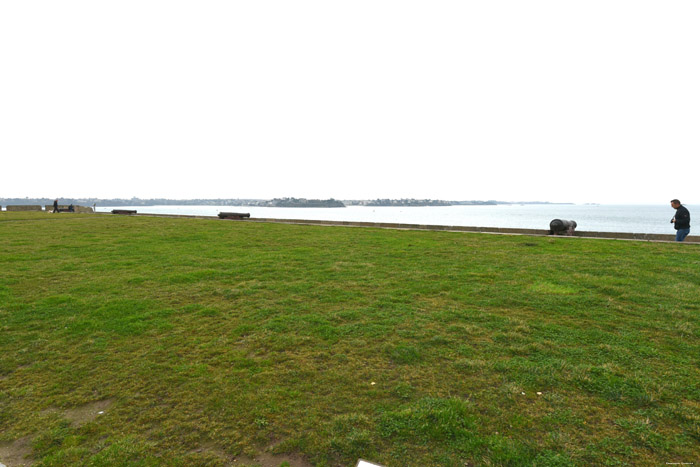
[562,227]
[124,211]
[233,215]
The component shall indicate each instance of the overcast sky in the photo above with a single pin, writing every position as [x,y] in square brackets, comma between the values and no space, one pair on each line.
[585,101]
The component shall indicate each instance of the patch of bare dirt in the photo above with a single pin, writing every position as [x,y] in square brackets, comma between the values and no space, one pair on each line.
[16,453]
[212,448]
[86,413]
[271,460]
[265,459]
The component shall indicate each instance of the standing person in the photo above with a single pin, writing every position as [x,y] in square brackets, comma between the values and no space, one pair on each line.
[55,205]
[681,221]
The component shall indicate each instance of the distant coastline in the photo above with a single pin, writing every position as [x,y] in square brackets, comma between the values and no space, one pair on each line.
[276,202]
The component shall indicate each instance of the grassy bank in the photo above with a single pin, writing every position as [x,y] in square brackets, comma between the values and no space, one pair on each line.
[205,341]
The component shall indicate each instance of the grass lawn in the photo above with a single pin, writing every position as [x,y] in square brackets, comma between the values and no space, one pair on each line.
[208,342]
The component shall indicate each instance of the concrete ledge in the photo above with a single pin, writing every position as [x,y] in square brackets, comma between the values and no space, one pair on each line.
[456,228]
[636,236]
[492,230]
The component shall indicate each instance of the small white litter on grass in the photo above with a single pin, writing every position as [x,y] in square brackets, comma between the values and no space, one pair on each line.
[364,463]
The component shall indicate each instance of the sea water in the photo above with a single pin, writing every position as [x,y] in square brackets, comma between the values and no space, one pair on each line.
[594,218]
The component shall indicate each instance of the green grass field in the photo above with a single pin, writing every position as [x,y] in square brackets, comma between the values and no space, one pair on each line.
[208,342]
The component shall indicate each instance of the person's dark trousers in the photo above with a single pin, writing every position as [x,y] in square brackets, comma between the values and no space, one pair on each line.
[681,234]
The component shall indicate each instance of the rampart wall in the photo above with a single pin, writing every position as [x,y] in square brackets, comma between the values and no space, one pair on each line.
[25,207]
[48,207]
[458,228]
[64,207]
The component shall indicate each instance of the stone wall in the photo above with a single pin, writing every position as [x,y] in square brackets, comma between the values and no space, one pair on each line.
[26,207]
[64,207]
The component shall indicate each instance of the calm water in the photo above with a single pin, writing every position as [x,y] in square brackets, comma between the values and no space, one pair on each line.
[601,218]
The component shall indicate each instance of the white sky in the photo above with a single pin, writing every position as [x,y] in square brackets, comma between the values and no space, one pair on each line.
[585,101]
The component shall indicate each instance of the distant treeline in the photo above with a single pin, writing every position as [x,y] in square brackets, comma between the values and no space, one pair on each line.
[131,201]
[303,203]
[277,202]
[413,202]
[435,202]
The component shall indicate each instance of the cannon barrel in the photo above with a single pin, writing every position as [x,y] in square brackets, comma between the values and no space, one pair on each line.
[559,226]
[233,215]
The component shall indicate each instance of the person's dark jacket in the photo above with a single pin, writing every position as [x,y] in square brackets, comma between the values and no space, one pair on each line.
[682,218]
